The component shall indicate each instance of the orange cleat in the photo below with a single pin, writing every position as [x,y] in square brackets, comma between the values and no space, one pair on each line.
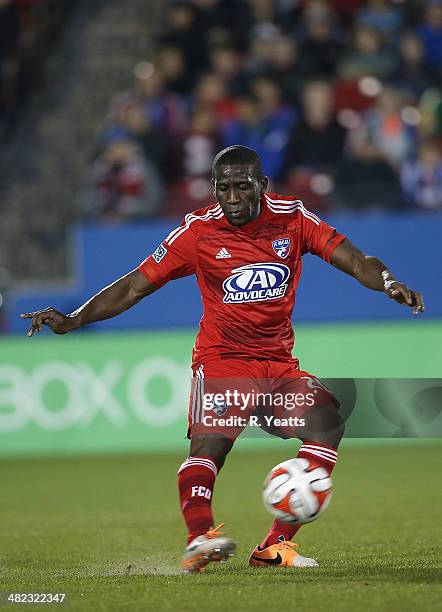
[206,548]
[282,554]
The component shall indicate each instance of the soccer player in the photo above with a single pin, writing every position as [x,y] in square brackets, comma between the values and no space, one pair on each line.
[246,251]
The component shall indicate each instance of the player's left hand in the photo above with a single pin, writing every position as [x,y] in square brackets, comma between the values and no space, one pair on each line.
[404,295]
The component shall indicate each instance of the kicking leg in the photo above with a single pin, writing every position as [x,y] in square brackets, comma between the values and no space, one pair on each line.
[320,437]
[320,440]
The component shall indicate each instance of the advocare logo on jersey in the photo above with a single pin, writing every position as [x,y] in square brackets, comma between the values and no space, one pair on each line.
[256,283]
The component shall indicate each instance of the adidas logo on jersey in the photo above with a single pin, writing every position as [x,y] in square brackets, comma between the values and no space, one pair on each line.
[223,254]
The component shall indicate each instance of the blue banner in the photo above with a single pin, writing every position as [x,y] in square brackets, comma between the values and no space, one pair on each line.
[408,244]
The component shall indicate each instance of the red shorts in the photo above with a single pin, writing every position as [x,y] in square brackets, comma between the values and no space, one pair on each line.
[277,397]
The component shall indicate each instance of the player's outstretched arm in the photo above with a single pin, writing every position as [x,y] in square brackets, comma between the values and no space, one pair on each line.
[374,274]
[109,302]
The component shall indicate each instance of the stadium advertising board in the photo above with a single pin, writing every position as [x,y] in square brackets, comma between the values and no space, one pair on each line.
[123,392]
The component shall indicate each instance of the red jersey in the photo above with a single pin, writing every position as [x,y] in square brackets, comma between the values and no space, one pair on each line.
[247,275]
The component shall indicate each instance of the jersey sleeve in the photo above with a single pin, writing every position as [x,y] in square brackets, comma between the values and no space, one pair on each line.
[174,258]
[318,237]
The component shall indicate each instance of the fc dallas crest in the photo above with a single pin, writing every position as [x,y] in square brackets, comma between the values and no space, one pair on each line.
[281,246]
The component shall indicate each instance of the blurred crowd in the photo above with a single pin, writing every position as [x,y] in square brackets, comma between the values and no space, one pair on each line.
[341,99]
[27,29]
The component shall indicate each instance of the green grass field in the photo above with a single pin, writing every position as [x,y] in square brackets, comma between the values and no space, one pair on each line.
[107,531]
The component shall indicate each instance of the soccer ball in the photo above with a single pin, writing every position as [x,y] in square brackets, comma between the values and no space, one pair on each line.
[296,492]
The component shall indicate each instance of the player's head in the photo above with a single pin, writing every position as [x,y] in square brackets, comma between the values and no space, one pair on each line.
[238,183]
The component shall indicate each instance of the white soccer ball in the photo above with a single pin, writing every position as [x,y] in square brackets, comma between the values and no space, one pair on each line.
[297,492]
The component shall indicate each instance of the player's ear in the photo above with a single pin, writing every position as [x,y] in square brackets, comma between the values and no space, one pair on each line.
[264,183]
[213,186]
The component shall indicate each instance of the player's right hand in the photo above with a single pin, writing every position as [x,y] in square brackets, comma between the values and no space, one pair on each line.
[56,321]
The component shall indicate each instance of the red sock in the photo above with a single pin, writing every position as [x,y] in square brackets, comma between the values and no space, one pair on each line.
[196,479]
[320,456]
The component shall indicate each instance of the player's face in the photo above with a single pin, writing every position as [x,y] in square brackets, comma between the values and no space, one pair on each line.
[238,191]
